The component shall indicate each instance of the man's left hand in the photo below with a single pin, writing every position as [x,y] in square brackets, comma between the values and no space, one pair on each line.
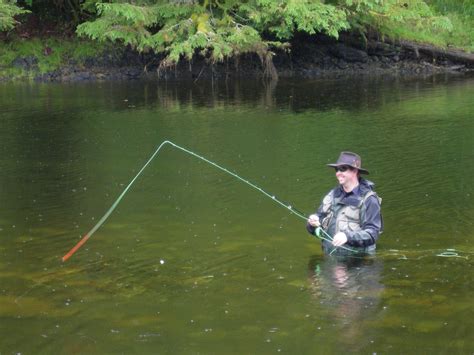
[339,239]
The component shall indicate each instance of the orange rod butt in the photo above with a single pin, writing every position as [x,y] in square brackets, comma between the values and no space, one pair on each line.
[77,246]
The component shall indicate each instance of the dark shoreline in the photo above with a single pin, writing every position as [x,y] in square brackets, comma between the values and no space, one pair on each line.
[309,58]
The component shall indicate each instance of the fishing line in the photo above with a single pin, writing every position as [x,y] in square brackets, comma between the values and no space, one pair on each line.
[322,235]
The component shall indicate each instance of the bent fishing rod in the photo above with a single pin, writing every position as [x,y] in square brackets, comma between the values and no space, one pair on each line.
[321,233]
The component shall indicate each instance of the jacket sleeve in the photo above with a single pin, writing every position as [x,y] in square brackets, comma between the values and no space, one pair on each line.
[310,228]
[371,225]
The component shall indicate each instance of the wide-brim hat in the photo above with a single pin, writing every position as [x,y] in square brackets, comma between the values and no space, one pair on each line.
[350,159]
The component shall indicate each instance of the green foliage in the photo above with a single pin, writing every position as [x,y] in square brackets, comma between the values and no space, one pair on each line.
[413,20]
[220,29]
[461,15]
[216,30]
[459,7]
[226,28]
[384,15]
[284,18]
[8,11]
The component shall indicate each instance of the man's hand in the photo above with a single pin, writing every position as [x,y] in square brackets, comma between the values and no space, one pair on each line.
[313,220]
[339,239]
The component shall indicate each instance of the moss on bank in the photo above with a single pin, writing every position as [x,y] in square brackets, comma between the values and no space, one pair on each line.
[26,58]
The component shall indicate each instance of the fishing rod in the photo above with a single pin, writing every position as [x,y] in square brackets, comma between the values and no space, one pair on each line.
[321,233]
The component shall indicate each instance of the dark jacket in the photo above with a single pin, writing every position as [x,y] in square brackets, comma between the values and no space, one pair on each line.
[368,225]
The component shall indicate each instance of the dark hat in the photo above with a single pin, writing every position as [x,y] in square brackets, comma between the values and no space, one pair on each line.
[351,159]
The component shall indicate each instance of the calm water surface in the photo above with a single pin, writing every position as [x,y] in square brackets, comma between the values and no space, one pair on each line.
[193,261]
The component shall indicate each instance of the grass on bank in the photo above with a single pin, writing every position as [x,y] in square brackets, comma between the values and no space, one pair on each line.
[51,54]
[460,14]
[460,37]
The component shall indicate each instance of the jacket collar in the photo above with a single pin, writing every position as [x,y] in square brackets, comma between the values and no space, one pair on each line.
[354,197]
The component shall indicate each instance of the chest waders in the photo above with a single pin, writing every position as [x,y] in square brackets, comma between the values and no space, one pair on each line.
[341,217]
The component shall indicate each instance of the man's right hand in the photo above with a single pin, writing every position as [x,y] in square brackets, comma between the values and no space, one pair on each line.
[313,220]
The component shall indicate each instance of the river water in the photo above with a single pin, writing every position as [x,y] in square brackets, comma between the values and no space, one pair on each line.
[193,261]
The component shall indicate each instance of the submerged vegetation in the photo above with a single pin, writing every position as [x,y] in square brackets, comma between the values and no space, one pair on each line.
[216,30]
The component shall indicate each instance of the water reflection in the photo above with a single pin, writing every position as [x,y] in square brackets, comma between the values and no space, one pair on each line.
[348,290]
[286,94]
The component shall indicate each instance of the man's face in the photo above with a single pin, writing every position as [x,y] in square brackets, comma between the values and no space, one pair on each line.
[345,174]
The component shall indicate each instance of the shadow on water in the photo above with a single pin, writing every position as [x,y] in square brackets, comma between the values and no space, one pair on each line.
[348,290]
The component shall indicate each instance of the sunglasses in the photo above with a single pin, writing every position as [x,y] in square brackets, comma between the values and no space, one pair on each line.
[342,168]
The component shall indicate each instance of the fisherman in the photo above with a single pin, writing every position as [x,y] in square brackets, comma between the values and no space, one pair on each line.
[350,212]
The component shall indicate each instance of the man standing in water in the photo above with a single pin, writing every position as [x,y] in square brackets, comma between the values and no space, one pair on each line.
[351,211]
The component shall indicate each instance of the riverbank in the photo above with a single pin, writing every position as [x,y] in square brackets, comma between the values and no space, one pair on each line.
[49,60]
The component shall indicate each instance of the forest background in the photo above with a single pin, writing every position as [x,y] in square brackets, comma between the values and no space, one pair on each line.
[56,32]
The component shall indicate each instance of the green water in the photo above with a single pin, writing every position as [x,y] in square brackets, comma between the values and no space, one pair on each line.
[193,261]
